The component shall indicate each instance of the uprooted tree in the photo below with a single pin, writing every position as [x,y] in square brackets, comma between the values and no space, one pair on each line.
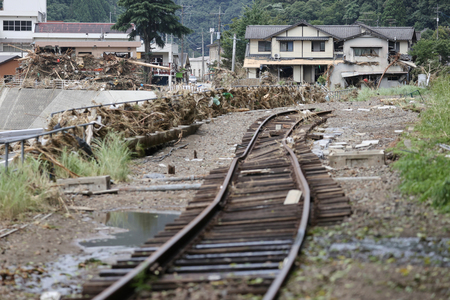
[152,19]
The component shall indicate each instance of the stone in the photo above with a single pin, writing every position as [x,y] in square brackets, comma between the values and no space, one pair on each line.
[357,159]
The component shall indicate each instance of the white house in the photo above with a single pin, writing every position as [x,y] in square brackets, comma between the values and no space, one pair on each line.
[18,19]
[196,66]
[347,53]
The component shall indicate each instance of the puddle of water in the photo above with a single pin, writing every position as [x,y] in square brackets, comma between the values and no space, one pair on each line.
[138,228]
[429,251]
[123,230]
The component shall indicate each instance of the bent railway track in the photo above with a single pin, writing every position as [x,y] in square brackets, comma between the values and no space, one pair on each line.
[238,232]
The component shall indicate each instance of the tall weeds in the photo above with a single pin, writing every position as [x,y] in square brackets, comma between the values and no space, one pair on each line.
[112,157]
[425,168]
[24,188]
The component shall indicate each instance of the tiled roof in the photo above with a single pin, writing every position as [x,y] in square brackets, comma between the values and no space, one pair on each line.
[262,31]
[396,33]
[62,27]
[341,31]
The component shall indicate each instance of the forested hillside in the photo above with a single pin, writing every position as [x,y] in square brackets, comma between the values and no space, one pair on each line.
[203,14]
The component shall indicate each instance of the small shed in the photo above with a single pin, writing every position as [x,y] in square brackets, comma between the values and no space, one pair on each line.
[8,66]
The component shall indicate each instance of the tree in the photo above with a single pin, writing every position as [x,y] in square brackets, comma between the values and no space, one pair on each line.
[152,19]
[254,15]
[431,51]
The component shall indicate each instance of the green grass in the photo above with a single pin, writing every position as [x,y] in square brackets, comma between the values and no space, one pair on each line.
[425,171]
[27,187]
[24,188]
[366,94]
[113,158]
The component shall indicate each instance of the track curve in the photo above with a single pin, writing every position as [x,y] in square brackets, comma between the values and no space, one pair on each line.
[247,238]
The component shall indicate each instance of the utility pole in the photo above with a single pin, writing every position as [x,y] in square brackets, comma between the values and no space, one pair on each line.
[182,37]
[170,60]
[234,53]
[219,13]
[203,58]
[437,21]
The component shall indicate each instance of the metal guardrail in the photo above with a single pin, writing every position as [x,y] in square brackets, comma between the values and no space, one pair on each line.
[22,139]
[411,94]
[337,95]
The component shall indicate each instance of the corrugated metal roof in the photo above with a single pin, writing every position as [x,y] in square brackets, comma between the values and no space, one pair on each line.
[396,33]
[303,38]
[341,31]
[262,31]
[62,27]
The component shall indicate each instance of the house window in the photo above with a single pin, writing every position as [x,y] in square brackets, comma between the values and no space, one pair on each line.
[1,4]
[17,25]
[264,46]
[10,47]
[366,51]
[318,46]
[286,46]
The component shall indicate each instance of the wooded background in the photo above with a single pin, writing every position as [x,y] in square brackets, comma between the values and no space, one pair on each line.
[202,14]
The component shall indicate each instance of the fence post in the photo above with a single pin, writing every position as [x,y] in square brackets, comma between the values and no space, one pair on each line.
[6,156]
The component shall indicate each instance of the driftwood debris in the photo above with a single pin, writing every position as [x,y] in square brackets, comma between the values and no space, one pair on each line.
[396,58]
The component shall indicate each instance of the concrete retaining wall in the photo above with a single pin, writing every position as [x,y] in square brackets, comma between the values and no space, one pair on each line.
[29,108]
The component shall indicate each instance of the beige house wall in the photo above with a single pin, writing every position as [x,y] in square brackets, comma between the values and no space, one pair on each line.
[252,73]
[254,47]
[275,47]
[404,47]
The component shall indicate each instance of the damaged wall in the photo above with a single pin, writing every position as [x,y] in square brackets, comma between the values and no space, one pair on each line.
[366,65]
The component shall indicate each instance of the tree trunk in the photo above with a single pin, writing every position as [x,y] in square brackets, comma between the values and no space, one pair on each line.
[147,70]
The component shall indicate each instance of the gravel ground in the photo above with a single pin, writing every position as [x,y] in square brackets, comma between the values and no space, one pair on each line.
[392,247]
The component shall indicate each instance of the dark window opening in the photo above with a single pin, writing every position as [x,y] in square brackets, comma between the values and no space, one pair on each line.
[366,51]
[17,25]
[286,46]
[264,46]
[318,46]
[393,78]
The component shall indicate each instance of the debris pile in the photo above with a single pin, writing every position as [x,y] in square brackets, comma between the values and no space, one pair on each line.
[86,72]
[163,114]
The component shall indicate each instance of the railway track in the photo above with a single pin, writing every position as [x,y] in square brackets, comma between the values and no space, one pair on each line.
[238,232]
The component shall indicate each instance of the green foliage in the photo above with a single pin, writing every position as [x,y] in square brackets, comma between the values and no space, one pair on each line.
[252,15]
[152,18]
[431,51]
[82,10]
[113,158]
[22,189]
[425,169]
[366,94]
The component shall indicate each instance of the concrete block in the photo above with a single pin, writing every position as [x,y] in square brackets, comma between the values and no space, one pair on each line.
[357,159]
[91,184]
[293,197]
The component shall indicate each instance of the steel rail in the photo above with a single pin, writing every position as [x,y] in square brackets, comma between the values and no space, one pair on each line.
[301,232]
[123,287]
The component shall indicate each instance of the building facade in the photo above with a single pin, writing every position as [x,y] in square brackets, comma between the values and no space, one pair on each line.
[344,54]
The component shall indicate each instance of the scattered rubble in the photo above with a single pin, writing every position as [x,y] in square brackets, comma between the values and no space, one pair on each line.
[47,70]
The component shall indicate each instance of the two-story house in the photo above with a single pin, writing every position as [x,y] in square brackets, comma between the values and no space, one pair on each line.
[17,23]
[346,53]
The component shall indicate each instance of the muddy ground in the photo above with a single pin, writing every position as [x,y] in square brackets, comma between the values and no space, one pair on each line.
[392,247]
